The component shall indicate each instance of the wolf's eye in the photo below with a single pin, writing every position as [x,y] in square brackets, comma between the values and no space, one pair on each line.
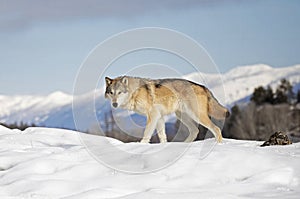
[119,92]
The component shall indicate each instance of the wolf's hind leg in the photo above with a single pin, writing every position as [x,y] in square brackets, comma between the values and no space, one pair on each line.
[161,130]
[190,124]
[205,121]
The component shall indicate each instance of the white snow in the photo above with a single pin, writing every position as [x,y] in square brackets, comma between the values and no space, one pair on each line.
[54,163]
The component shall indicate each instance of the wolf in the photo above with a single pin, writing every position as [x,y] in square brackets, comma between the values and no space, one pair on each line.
[154,98]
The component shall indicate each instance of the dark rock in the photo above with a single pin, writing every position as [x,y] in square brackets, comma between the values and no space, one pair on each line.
[278,138]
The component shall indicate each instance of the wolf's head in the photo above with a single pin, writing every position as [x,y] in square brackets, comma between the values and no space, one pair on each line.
[117,90]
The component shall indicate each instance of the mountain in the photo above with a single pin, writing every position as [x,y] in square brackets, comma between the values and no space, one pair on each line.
[56,163]
[33,109]
[239,83]
[56,110]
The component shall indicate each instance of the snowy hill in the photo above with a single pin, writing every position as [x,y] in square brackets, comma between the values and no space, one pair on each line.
[238,84]
[32,109]
[54,163]
[55,110]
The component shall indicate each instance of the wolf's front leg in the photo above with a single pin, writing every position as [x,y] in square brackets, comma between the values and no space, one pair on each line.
[152,120]
[161,130]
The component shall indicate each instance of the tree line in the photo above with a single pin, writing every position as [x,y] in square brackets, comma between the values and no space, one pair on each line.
[283,94]
[268,111]
[21,126]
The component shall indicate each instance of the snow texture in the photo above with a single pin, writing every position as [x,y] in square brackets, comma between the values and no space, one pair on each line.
[54,163]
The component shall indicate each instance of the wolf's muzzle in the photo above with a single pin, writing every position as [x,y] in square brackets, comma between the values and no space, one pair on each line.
[115,104]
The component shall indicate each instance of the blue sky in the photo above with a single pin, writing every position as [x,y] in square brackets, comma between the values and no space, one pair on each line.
[42,44]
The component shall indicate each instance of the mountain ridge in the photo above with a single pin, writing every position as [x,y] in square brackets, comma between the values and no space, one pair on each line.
[55,109]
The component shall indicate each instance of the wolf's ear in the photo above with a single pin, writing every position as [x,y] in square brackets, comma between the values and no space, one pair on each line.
[125,80]
[108,81]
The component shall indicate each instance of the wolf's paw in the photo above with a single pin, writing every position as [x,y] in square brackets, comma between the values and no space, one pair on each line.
[219,139]
[145,140]
[163,141]
[188,140]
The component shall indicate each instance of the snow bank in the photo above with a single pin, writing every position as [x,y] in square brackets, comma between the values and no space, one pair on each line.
[53,163]
[3,128]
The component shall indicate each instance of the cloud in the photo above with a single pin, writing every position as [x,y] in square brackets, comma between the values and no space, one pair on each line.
[17,14]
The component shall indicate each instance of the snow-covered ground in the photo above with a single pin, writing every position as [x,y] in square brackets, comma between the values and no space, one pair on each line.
[55,110]
[54,163]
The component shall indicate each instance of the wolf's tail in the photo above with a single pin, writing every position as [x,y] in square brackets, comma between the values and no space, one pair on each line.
[215,109]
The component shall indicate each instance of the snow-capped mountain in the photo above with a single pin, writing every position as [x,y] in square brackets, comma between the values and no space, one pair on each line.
[55,110]
[31,109]
[239,83]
